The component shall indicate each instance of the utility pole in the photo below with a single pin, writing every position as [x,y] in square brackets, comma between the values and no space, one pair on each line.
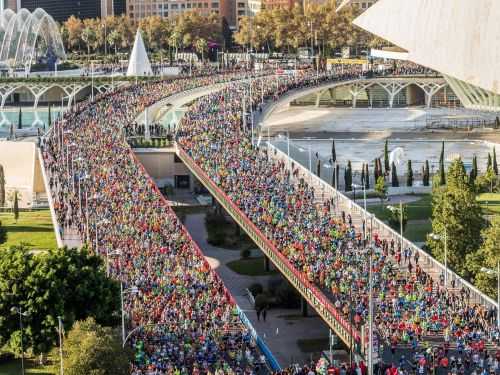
[59,320]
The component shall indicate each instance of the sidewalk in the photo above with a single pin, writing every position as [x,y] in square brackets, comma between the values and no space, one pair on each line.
[283,327]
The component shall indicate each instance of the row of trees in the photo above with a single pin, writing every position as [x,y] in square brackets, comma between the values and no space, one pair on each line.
[288,29]
[187,31]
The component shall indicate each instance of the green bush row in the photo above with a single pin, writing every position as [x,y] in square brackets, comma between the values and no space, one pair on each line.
[153,143]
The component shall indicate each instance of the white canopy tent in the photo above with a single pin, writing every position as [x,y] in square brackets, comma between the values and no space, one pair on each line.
[139,64]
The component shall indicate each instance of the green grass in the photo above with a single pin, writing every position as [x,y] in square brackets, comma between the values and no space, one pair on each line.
[250,267]
[490,203]
[418,232]
[418,210]
[31,366]
[34,229]
[489,197]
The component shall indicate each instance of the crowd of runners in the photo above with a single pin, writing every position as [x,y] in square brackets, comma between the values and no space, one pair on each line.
[183,318]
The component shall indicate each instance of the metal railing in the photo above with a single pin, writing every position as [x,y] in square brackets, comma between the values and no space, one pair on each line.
[309,291]
[427,262]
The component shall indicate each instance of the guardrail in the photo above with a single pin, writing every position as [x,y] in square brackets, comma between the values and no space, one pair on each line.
[427,262]
[310,292]
[271,360]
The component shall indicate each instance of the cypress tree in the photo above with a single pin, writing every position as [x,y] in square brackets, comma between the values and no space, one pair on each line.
[474,171]
[348,177]
[2,187]
[442,173]
[49,120]
[318,167]
[395,181]
[386,158]
[363,174]
[334,154]
[375,171]
[16,206]
[426,175]
[333,175]
[20,119]
[495,165]
[409,175]
[367,177]
[490,163]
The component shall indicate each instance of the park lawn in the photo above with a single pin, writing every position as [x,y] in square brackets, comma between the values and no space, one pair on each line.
[418,210]
[32,368]
[250,267]
[34,229]
[490,203]
[418,231]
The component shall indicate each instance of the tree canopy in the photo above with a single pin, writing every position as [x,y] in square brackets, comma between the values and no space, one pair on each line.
[455,210]
[63,282]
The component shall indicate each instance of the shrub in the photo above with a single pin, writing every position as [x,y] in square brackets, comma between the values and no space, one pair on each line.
[256,289]
[245,253]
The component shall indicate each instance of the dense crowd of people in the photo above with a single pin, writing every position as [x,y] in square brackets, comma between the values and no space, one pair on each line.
[184,318]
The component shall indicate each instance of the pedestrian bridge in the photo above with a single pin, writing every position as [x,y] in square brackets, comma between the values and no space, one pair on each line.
[389,92]
[353,338]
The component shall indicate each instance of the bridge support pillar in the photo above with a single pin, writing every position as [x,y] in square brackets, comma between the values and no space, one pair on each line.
[303,307]
[318,99]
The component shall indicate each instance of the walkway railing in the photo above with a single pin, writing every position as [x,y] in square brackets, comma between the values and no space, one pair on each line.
[310,292]
[427,262]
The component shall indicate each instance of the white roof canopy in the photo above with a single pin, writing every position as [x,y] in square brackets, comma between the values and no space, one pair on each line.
[458,38]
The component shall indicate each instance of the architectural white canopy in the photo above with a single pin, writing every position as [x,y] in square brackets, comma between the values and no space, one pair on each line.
[138,64]
[459,38]
[25,36]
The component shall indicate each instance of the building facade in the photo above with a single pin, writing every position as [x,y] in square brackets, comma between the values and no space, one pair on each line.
[138,9]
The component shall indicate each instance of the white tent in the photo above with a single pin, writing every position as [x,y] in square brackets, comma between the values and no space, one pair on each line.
[138,64]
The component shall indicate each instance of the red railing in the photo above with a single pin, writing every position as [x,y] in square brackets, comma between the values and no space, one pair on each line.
[309,291]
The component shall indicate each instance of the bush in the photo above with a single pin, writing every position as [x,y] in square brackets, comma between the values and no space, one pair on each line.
[256,289]
[245,253]
[6,357]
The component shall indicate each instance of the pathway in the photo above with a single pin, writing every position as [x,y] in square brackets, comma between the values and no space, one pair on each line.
[283,327]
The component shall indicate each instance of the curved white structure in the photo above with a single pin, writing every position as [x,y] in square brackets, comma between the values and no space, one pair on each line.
[25,36]
[458,38]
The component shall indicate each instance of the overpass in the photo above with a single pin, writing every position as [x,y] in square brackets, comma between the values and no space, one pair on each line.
[312,293]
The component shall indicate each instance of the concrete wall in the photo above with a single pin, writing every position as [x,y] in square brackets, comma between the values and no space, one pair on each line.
[162,166]
[22,171]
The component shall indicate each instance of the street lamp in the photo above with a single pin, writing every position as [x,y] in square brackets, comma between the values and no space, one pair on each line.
[370,315]
[132,290]
[394,209]
[490,271]
[19,310]
[364,212]
[444,238]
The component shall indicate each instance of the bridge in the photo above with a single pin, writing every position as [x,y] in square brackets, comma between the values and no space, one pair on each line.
[312,293]
[373,91]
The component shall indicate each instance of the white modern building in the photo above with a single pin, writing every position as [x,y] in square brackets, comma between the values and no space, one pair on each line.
[459,38]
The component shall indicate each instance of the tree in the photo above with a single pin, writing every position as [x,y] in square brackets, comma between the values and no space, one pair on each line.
[376,173]
[15,208]
[318,168]
[454,209]
[201,46]
[20,119]
[426,174]
[61,282]
[115,40]
[363,174]
[386,158]
[495,165]
[348,177]
[381,189]
[2,187]
[486,182]
[486,256]
[89,37]
[74,28]
[394,219]
[490,163]
[92,349]
[409,175]
[334,153]
[474,171]
[395,181]
[49,116]
[367,177]
[442,173]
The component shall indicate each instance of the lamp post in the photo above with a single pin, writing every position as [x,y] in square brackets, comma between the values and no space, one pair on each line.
[19,310]
[132,290]
[444,238]
[370,315]
[490,271]
[364,204]
[393,209]
[60,329]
